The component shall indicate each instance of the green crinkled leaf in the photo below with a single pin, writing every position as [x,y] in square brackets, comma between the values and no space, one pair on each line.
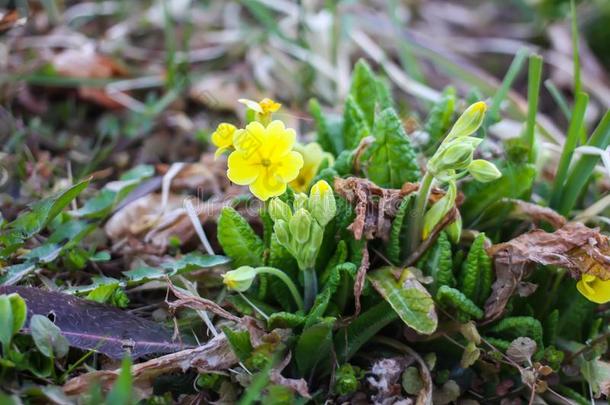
[398,231]
[408,298]
[476,275]
[390,160]
[364,90]
[328,129]
[550,327]
[518,326]
[285,320]
[384,94]
[355,124]
[193,261]
[576,311]
[451,298]
[515,181]
[240,342]
[330,287]
[338,257]
[314,346]
[438,263]
[238,239]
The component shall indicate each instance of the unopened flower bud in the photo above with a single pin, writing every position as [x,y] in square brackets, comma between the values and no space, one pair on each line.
[454,230]
[300,226]
[438,211]
[484,171]
[300,201]
[469,121]
[239,279]
[322,203]
[282,232]
[456,155]
[278,209]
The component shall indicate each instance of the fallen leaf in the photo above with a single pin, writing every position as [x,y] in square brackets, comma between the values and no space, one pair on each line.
[579,249]
[89,325]
[215,355]
[535,213]
[86,63]
[296,385]
[521,350]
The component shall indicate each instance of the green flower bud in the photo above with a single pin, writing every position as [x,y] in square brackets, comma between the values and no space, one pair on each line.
[308,252]
[484,171]
[469,121]
[300,201]
[300,225]
[322,203]
[282,232]
[454,230]
[278,209]
[456,155]
[438,211]
[239,279]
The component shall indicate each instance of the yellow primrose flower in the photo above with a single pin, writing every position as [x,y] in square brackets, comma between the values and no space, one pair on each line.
[594,289]
[263,159]
[313,155]
[263,109]
[222,138]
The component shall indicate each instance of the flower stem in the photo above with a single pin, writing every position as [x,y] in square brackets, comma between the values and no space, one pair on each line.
[310,279]
[417,217]
[282,276]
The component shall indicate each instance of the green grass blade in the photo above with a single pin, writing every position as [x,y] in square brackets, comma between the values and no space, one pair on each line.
[533,93]
[580,174]
[576,123]
[507,82]
[560,100]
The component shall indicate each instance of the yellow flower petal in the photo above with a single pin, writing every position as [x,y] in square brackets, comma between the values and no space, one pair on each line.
[223,136]
[267,186]
[242,169]
[279,138]
[594,289]
[269,106]
[289,167]
[251,138]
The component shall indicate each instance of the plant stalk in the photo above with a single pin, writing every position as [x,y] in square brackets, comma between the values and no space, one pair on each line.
[417,218]
[286,280]
[310,280]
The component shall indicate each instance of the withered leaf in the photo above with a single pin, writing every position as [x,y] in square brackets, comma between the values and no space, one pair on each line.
[376,207]
[579,249]
[89,325]
[215,355]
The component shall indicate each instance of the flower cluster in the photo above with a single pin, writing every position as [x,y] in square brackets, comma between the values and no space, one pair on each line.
[452,161]
[262,155]
[265,156]
[300,228]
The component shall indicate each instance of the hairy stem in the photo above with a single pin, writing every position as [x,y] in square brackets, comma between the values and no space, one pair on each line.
[310,279]
[286,280]
[417,217]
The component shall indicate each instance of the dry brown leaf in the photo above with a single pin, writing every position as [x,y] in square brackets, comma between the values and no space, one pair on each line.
[536,213]
[188,300]
[215,355]
[579,249]
[376,207]
[297,385]
[86,63]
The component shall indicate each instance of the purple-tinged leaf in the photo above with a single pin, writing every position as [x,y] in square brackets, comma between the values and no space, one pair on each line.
[92,326]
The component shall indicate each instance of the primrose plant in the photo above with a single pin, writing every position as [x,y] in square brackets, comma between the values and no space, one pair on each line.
[264,156]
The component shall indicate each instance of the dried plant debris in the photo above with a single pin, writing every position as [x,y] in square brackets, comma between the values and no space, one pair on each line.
[375,207]
[89,325]
[574,246]
[215,355]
